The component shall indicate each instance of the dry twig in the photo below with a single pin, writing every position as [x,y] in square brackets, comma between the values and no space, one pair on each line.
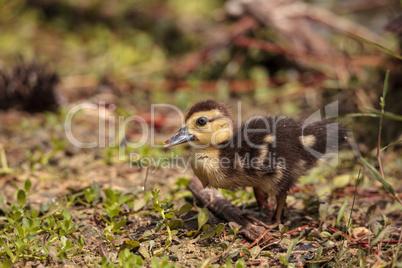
[221,207]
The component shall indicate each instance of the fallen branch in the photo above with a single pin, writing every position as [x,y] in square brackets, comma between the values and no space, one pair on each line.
[221,207]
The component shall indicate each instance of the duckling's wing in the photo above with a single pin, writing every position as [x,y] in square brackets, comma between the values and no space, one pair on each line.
[264,171]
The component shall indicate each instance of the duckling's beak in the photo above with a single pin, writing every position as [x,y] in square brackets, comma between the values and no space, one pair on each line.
[181,136]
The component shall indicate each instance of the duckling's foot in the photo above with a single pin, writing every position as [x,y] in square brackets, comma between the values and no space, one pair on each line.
[273,225]
[255,220]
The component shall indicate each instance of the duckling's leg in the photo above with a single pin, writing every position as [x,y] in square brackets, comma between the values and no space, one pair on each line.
[278,214]
[261,198]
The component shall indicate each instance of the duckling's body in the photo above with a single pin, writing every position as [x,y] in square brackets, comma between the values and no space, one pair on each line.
[266,153]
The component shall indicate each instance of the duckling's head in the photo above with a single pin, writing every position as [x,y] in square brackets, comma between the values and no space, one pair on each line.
[207,123]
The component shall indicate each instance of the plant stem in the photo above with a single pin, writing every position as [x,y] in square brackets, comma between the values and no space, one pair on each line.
[378,146]
[382,104]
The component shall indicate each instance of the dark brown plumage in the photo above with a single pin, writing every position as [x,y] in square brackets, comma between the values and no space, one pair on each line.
[266,153]
[207,105]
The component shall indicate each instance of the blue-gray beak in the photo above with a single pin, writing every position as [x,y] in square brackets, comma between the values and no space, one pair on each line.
[181,136]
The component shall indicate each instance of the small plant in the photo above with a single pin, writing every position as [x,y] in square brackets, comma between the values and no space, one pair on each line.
[113,205]
[40,158]
[25,235]
[168,220]
[126,259]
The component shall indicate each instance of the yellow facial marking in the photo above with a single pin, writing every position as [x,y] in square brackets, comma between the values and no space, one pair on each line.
[308,140]
[217,130]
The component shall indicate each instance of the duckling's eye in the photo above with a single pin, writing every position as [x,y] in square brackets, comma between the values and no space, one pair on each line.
[201,121]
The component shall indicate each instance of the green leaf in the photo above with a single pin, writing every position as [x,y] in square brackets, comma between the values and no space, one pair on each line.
[66,214]
[130,244]
[228,263]
[266,254]
[63,240]
[176,223]
[378,176]
[27,185]
[69,246]
[18,231]
[203,217]
[155,262]
[157,207]
[379,236]
[209,231]
[284,261]
[7,263]
[385,89]
[388,115]
[120,224]
[246,252]
[170,215]
[114,212]
[182,182]
[291,247]
[159,226]
[235,227]
[240,263]
[155,194]
[68,224]
[124,199]
[219,228]
[191,233]
[376,113]
[185,208]
[45,249]
[80,242]
[341,212]
[110,195]
[384,49]
[391,144]
[21,197]
[20,249]
[6,248]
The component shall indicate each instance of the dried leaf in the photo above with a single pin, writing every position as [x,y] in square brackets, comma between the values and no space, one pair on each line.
[255,251]
[144,252]
[360,232]
[138,204]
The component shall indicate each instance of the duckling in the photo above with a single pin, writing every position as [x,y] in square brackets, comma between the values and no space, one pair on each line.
[266,153]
